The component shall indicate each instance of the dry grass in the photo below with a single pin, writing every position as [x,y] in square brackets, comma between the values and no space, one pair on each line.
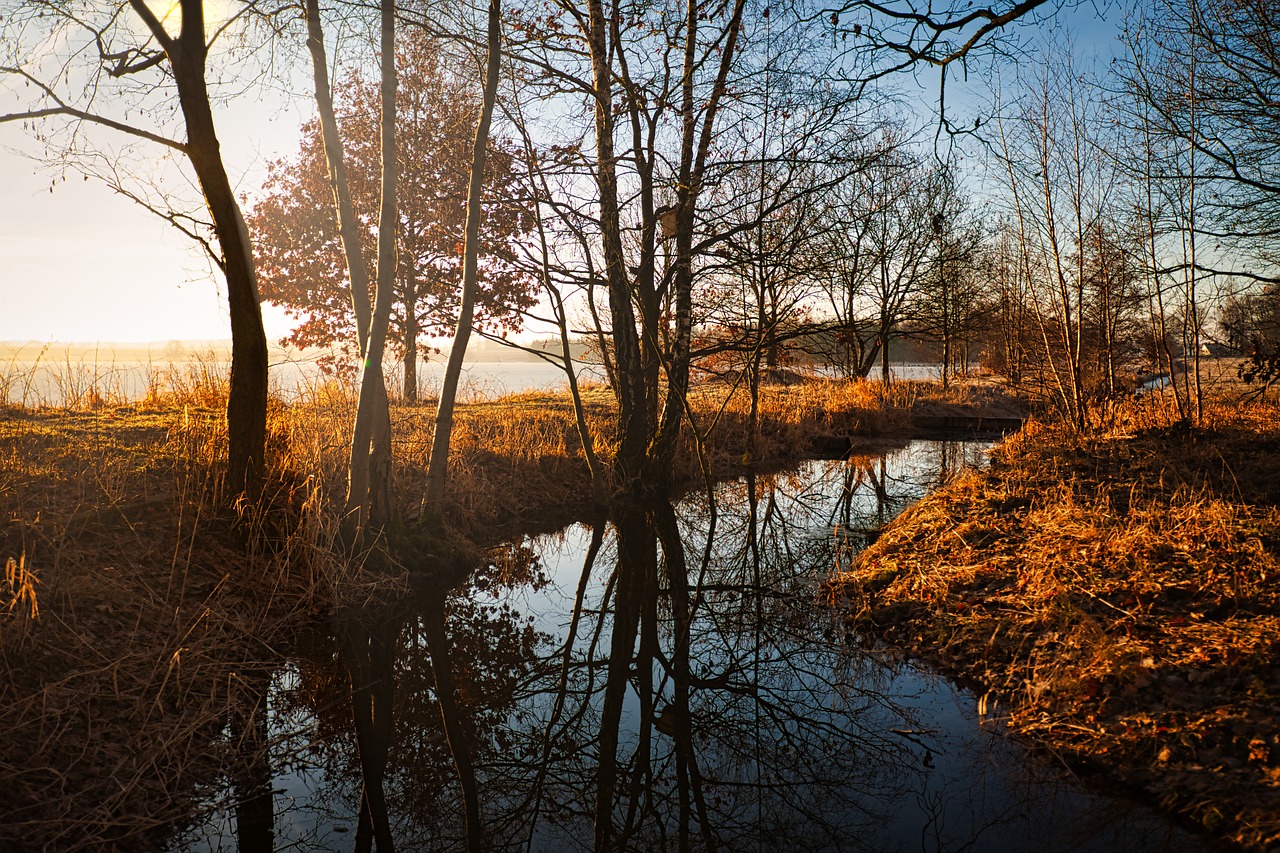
[129,614]
[517,461]
[132,616]
[1116,598]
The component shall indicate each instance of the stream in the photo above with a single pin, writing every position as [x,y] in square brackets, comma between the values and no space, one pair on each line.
[669,680]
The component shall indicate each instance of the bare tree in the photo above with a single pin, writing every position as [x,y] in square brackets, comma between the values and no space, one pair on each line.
[103,65]
[949,304]
[439,466]
[654,84]
[1010,329]
[1061,186]
[884,248]
[1199,95]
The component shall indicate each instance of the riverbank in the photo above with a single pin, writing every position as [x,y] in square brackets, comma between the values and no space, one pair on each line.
[517,463]
[1113,599]
[134,628]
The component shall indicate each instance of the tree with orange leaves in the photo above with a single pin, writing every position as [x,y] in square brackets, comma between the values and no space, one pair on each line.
[299,247]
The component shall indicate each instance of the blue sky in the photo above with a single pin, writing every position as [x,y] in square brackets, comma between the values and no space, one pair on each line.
[82,264]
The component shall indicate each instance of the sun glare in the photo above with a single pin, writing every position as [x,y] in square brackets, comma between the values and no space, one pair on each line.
[169,13]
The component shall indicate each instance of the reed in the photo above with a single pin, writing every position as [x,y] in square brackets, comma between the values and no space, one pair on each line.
[133,607]
[136,609]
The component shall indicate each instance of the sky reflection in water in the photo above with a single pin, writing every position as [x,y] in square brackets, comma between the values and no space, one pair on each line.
[771,728]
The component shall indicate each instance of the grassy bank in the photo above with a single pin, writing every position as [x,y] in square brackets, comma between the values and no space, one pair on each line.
[135,628]
[517,461]
[1115,599]
[149,618]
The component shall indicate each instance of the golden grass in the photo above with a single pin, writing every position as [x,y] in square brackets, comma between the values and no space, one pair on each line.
[124,662]
[130,611]
[1115,597]
[517,460]
[21,589]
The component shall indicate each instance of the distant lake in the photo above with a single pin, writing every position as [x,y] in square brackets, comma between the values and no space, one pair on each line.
[480,379]
[59,379]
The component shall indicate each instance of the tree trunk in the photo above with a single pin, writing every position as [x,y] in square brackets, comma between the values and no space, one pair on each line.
[692,167]
[411,336]
[1193,306]
[946,359]
[438,469]
[869,357]
[633,403]
[369,469]
[357,269]
[946,332]
[247,397]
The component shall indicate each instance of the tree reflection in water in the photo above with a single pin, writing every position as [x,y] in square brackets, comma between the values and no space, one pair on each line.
[251,781]
[644,684]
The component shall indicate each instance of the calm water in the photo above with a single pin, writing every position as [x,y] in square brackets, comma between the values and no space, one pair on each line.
[57,382]
[61,379]
[667,680]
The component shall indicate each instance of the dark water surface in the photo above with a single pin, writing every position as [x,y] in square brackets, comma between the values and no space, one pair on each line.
[731,708]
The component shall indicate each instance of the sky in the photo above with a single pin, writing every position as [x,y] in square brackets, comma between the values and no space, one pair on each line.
[82,264]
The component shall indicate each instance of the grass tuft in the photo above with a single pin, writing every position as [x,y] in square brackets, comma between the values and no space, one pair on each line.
[153,613]
[20,589]
[1115,597]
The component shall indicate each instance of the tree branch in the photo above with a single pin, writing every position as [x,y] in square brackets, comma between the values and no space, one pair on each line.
[66,109]
[153,24]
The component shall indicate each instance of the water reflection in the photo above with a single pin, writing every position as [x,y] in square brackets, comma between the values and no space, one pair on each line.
[251,780]
[369,650]
[664,679]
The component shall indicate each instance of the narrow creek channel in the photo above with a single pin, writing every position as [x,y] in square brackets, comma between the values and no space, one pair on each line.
[731,708]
